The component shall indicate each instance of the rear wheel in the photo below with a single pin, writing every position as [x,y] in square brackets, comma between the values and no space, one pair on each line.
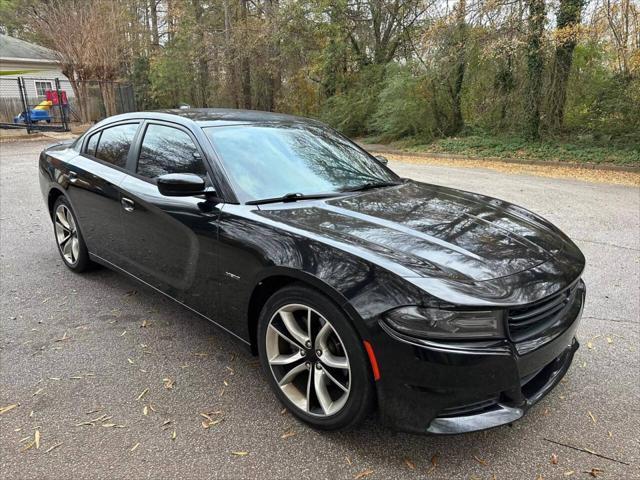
[70,243]
[314,359]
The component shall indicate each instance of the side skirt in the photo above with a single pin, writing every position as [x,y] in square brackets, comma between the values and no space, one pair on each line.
[112,266]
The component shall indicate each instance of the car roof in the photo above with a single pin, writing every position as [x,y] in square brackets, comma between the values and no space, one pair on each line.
[208,117]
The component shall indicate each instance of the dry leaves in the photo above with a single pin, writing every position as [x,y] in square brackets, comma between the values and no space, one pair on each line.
[209,421]
[8,408]
[554,459]
[36,439]
[595,472]
[240,454]
[53,447]
[364,473]
[287,434]
[593,418]
[480,460]
[410,465]
[144,392]
[434,463]
[133,449]
[168,383]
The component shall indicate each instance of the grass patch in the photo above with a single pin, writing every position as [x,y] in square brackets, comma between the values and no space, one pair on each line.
[484,146]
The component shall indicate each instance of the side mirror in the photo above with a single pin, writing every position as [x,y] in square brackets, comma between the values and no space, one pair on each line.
[383,160]
[180,184]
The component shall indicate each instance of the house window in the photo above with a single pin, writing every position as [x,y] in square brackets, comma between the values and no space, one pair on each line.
[42,87]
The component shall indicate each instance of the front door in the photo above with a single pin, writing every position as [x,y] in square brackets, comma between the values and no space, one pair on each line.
[170,242]
[94,188]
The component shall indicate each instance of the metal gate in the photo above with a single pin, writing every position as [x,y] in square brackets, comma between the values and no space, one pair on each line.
[50,115]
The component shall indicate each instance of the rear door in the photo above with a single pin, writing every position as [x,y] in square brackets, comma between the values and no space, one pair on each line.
[171,242]
[94,180]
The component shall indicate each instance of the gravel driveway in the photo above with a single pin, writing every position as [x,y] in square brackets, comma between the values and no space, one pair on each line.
[120,383]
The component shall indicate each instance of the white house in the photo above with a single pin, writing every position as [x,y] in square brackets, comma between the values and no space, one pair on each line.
[39,66]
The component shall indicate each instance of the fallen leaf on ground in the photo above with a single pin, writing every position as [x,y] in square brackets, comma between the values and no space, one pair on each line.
[554,459]
[130,361]
[123,333]
[108,425]
[288,434]
[174,435]
[479,460]
[609,340]
[362,474]
[568,473]
[593,418]
[7,408]
[145,410]
[595,472]
[36,439]
[53,447]
[240,454]
[143,324]
[434,463]
[134,447]
[409,463]
[348,460]
[168,383]
[84,423]
[37,392]
[144,392]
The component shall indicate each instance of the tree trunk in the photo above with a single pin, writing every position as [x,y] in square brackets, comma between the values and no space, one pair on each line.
[457,121]
[153,13]
[245,68]
[568,19]
[107,91]
[535,67]
[203,64]
[229,55]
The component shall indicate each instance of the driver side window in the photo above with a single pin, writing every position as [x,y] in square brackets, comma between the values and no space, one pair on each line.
[168,150]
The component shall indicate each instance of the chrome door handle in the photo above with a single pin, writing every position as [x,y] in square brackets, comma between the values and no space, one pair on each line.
[73,177]
[127,204]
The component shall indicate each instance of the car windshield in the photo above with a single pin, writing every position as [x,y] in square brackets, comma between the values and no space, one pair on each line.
[270,161]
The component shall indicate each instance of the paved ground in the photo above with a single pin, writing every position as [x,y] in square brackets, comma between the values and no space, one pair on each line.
[71,344]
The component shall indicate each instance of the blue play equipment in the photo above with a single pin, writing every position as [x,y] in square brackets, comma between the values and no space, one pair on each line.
[34,116]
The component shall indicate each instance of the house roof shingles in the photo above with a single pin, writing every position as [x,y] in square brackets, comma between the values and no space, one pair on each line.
[11,47]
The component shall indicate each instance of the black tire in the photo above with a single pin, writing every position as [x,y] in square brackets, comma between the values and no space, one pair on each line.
[360,399]
[81,262]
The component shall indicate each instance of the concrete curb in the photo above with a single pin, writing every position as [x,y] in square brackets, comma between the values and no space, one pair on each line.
[382,149]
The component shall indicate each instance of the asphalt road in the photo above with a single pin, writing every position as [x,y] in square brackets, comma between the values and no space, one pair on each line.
[72,344]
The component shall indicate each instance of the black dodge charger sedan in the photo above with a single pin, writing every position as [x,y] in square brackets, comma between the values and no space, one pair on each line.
[448,311]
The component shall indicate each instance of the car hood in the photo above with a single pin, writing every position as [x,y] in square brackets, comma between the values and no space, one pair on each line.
[432,231]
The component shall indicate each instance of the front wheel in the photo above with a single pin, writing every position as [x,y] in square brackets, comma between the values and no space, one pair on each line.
[314,359]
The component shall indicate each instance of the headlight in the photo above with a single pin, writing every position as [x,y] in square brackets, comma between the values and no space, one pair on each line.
[436,323]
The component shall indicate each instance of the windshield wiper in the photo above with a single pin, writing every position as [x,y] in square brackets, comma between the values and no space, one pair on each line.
[371,185]
[292,197]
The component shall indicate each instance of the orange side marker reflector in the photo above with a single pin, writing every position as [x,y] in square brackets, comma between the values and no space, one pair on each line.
[372,359]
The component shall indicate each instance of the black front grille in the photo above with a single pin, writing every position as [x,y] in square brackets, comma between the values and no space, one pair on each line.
[532,320]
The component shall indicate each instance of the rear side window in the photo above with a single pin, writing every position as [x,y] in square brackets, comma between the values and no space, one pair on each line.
[92,144]
[168,150]
[114,144]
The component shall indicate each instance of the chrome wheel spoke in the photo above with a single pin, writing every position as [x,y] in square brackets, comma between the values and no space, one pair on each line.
[292,374]
[334,361]
[293,328]
[322,394]
[342,387]
[281,359]
[284,336]
[62,217]
[75,247]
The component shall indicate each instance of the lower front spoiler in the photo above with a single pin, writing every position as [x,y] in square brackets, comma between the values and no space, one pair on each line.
[502,414]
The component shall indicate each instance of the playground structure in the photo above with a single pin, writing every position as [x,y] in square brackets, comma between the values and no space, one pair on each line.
[51,114]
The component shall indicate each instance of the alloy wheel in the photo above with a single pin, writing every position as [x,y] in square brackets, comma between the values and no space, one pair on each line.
[67,234]
[308,360]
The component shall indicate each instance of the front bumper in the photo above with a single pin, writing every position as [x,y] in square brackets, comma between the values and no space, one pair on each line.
[446,388]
